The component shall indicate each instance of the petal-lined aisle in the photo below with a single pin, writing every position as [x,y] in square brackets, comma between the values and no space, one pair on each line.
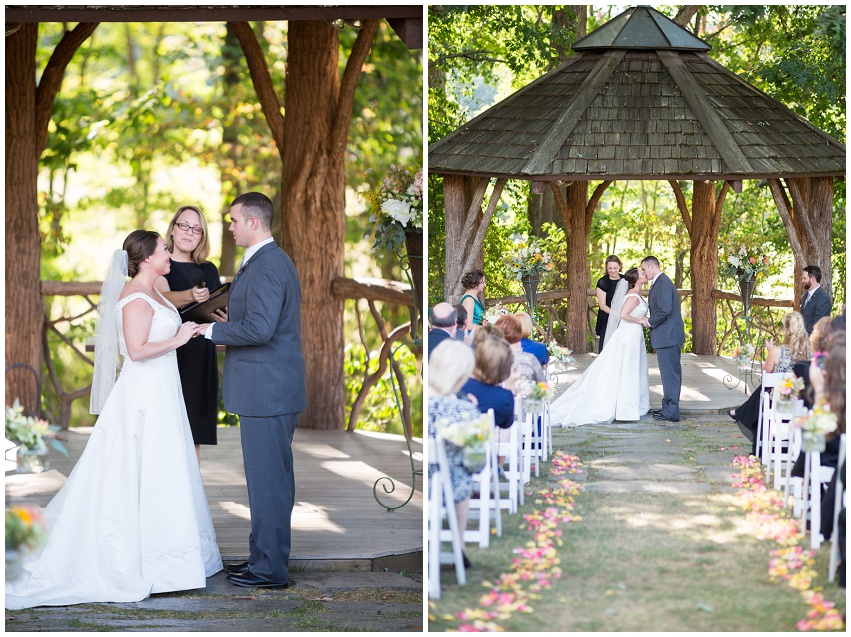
[663,544]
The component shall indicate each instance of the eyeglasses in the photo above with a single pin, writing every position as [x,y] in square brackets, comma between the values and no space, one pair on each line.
[186,228]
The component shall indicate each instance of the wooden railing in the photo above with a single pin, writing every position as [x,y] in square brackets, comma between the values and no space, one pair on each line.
[71,330]
[763,321]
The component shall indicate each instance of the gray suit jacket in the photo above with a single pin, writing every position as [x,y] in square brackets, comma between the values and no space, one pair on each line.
[818,307]
[264,365]
[666,320]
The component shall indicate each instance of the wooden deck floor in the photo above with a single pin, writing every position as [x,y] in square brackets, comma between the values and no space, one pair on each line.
[704,390]
[337,524]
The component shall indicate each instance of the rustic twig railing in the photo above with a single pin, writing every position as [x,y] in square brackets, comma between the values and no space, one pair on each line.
[762,315]
[79,326]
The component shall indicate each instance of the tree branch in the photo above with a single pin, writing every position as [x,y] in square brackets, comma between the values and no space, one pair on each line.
[681,203]
[784,207]
[719,202]
[592,204]
[562,207]
[486,219]
[346,100]
[475,56]
[686,13]
[262,81]
[51,79]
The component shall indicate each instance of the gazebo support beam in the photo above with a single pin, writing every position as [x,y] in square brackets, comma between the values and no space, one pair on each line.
[702,224]
[808,220]
[465,226]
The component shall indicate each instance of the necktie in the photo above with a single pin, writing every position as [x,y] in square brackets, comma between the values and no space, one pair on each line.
[239,271]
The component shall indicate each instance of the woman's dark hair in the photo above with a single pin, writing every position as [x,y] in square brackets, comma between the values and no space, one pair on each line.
[139,245]
[461,318]
[613,259]
[472,279]
[631,277]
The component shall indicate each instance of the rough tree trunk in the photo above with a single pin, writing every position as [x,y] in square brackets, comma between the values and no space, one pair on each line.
[705,221]
[809,221]
[318,107]
[24,310]
[28,111]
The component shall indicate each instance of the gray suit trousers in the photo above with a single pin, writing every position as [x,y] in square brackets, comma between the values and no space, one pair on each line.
[268,457]
[672,379]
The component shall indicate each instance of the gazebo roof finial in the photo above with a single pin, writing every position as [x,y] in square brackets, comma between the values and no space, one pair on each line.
[641,27]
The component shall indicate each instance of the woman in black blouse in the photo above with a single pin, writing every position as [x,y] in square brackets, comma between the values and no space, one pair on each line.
[605,292]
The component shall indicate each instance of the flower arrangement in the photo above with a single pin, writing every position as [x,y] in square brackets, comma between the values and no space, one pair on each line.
[559,353]
[743,262]
[529,259]
[25,531]
[493,313]
[30,433]
[396,209]
[25,528]
[535,391]
[816,425]
[744,356]
[466,433]
[789,385]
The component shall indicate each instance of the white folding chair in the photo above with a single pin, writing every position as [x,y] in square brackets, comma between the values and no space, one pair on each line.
[534,438]
[794,484]
[769,382]
[546,433]
[780,426]
[838,503]
[484,506]
[510,450]
[441,506]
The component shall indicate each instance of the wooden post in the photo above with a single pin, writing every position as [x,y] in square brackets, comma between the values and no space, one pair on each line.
[705,221]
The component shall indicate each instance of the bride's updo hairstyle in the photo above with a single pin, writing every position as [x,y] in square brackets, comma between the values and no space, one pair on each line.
[631,277]
[139,245]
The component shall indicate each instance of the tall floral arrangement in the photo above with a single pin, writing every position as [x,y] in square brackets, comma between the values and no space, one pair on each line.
[528,259]
[741,262]
[396,209]
[29,433]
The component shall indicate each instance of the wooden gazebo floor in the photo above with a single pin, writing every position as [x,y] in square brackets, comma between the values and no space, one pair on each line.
[337,524]
[703,391]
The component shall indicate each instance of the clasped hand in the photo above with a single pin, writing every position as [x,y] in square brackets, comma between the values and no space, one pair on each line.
[190,330]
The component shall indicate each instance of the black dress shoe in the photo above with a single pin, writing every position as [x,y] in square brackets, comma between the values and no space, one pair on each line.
[661,417]
[467,562]
[237,569]
[249,580]
[657,412]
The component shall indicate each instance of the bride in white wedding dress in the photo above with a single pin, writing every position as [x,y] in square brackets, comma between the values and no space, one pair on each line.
[615,386]
[132,518]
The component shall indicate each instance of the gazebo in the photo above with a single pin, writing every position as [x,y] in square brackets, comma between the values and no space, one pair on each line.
[641,99]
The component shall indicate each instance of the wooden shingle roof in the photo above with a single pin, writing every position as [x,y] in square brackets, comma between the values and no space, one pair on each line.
[638,101]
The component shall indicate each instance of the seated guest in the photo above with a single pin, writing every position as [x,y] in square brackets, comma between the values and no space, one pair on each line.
[818,346]
[829,387]
[530,368]
[527,344]
[460,322]
[493,365]
[442,318]
[449,368]
[780,359]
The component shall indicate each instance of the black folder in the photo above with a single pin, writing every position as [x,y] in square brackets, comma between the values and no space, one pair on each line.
[200,312]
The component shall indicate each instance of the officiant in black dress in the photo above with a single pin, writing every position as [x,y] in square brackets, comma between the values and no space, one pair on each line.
[191,279]
[605,292]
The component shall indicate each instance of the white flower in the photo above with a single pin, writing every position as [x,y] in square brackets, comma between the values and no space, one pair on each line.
[401,211]
[734,261]
[743,251]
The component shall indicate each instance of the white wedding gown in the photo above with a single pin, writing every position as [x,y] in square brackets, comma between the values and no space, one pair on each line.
[615,386]
[132,518]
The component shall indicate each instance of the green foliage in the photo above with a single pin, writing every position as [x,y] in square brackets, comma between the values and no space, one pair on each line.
[381,410]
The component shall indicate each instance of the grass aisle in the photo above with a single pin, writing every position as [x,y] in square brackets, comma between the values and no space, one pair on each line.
[663,543]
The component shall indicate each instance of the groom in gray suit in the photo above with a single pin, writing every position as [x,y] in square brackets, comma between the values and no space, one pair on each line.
[667,336]
[264,383]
